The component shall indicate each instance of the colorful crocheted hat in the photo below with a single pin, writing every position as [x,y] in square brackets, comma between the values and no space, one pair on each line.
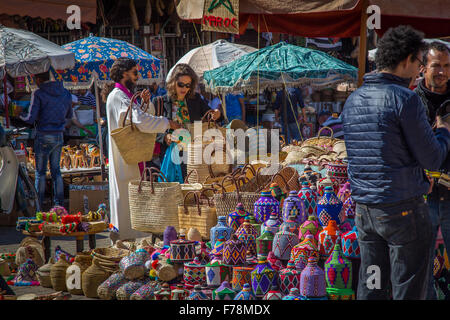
[263,277]
[305,249]
[273,294]
[328,238]
[309,198]
[224,292]
[289,278]
[294,294]
[264,206]
[248,235]
[283,242]
[264,242]
[272,224]
[329,208]
[294,207]
[197,294]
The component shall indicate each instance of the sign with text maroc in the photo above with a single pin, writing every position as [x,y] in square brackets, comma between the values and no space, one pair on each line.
[221,16]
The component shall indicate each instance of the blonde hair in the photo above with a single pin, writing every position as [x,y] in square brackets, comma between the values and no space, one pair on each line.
[180,70]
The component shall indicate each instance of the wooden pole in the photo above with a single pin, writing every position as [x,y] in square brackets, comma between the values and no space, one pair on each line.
[99,129]
[5,91]
[362,43]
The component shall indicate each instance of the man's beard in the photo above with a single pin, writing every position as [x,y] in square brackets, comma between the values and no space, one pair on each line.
[130,85]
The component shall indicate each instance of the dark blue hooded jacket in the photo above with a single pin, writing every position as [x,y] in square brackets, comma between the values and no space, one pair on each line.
[51,105]
[389,141]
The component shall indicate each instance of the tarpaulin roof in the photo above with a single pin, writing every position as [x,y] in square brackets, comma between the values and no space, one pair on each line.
[324,18]
[53,9]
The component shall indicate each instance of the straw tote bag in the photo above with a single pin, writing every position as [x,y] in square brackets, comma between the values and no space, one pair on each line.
[154,205]
[134,146]
[198,215]
[227,201]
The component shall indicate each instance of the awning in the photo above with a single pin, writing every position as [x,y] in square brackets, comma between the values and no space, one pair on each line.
[324,18]
[53,9]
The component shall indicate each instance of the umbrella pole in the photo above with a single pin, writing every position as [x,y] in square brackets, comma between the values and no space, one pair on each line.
[362,44]
[5,91]
[286,129]
[99,129]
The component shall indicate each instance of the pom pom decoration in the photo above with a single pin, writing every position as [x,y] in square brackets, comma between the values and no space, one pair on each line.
[59,211]
[75,218]
[47,216]
[68,228]
[152,273]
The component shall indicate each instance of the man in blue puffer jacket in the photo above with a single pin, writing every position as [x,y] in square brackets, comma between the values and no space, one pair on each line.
[51,106]
[389,143]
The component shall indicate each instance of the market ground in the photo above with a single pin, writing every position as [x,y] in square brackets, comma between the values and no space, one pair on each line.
[9,243]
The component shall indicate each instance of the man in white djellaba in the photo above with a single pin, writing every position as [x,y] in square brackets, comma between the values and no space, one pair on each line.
[125,75]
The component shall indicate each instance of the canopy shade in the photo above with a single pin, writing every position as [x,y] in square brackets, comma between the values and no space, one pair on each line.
[53,9]
[24,53]
[324,18]
[277,65]
[213,55]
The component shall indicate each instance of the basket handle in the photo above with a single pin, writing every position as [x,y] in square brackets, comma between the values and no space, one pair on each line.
[278,174]
[258,181]
[189,174]
[132,100]
[197,200]
[249,167]
[236,183]
[202,193]
[153,172]
[331,130]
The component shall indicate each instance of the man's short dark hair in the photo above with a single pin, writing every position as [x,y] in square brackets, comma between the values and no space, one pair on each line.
[396,45]
[120,66]
[44,76]
[435,45]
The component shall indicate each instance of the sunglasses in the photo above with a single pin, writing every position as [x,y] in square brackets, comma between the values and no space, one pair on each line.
[420,61]
[184,85]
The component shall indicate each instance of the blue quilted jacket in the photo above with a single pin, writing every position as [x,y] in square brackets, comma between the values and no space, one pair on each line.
[389,141]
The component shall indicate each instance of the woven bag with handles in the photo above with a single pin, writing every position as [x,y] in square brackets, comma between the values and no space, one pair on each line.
[154,205]
[200,216]
[134,146]
[226,201]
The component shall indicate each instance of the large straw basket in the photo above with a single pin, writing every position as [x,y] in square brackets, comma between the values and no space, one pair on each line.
[92,278]
[154,205]
[134,146]
[326,142]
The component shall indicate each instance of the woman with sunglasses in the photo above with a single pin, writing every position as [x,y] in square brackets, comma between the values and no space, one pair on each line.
[181,104]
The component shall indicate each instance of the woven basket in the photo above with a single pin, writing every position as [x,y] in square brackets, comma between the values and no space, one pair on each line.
[165,271]
[97,226]
[83,261]
[92,278]
[134,146]
[58,274]
[154,205]
[30,251]
[194,186]
[107,290]
[199,216]
[4,268]
[126,290]
[43,274]
[325,142]
[227,201]
[146,292]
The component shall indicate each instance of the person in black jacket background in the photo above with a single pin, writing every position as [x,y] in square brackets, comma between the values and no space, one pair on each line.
[434,90]
[181,104]
[389,144]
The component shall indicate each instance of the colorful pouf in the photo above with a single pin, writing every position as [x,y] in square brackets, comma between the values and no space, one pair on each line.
[312,280]
[310,226]
[292,225]
[224,292]
[248,234]
[272,224]
[309,176]
[133,265]
[197,294]
[107,290]
[338,274]
[264,206]
[263,277]
[216,273]
[234,251]
[337,170]
[329,208]
[221,230]
[236,218]
[283,242]
[264,243]
[179,293]
[126,290]
[241,276]
[309,198]
[146,292]
[182,250]
[194,273]
[163,293]
[245,294]
[26,274]
[327,182]
[328,238]
[273,294]
[170,234]
[294,294]
[289,278]
[303,251]
[294,207]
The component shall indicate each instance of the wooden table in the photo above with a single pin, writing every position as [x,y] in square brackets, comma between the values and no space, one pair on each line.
[79,236]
